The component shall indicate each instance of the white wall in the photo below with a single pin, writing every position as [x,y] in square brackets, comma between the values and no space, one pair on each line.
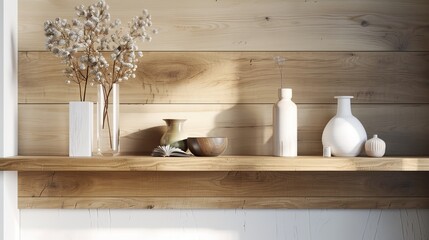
[9,214]
[8,77]
[224,224]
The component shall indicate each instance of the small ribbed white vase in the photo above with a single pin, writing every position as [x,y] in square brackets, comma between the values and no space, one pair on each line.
[375,147]
[344,133]
[285,125]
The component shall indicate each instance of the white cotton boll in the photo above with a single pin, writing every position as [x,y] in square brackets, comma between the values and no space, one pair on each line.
[133,75]
[279,60]
[145,12]
[95,19]
[83,58]
[57,33]
[155,31]
[65,53]
[82,66]
[89,24]
[55,50]
[75,22]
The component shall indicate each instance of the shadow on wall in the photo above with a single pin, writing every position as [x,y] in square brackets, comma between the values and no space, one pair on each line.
[232,95]
[142,141]
[248,122]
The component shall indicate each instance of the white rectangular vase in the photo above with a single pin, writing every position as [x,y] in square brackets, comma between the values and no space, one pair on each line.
[80,129]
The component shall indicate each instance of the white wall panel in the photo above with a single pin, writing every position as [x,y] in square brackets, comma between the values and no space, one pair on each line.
[9,214]
[224,224]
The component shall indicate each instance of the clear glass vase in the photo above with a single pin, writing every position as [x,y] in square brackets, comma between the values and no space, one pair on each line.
[108,120]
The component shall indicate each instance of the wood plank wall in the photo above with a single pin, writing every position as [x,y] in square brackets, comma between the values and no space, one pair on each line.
[212,64]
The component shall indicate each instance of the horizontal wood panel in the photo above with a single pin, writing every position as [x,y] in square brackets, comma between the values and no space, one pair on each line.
[220,163]
[224,202]
[43,129]
[255,25]
[244,77]
[223,184]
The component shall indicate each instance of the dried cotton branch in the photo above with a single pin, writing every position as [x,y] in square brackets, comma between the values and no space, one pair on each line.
[83,44]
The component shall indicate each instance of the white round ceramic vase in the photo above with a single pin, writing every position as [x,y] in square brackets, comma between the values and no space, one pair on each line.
[344,133]
[375,147]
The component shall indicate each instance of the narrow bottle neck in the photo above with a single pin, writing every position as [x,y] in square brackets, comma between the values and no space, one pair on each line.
[285,93]
[344,107]
[176,124]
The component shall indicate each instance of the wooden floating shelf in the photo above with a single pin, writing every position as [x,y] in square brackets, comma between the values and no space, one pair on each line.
[222,163]
[220,182]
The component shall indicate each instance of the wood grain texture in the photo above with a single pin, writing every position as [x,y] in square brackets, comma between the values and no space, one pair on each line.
[223,184]
[221,163]
[81,129]
[206,187]
[245,77]
[256,25]
[223,202]
[43,128]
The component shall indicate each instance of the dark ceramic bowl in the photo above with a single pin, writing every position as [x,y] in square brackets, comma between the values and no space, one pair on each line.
[207,146]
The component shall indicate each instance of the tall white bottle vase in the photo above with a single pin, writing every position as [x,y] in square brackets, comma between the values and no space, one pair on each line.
[285,125]
[344,133]
[80,129]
